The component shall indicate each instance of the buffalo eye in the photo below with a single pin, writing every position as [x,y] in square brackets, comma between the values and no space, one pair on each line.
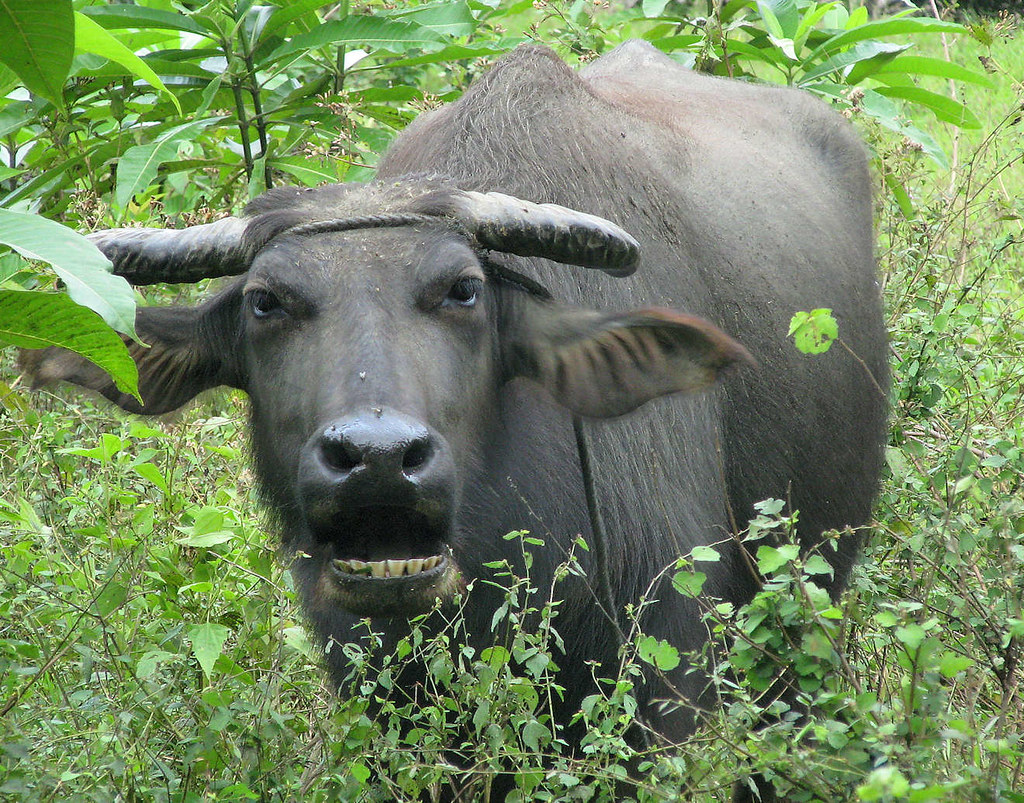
[464,292]
[263,304]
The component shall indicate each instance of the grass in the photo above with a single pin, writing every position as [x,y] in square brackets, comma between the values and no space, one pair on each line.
[150,647]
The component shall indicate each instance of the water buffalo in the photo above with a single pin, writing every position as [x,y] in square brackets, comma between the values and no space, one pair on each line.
[416,349]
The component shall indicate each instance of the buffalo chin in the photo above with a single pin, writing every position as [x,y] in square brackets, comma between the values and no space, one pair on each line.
[387,589]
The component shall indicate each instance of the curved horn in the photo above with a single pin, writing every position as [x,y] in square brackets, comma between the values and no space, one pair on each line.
[513,226]
[148,256]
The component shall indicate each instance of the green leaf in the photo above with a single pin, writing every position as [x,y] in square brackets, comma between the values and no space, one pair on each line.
[893,27]
[134,16]
[653,8]
[534,733]
[925,65]
[945,109]
[90,37]
[888,114]
[658,653]
[137,168]
[861,52]
[306,170]
[689,583]
[446,18]
[445,55]
[814,331]
[951,664]
[38,44]
[816,564]
[770,559]
[207,644]
[79,264]
[377,32]
[287,14]
[705,553]
[31,319]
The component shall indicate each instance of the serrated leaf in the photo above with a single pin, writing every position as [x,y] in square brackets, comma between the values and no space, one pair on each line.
[32,320]
[814,331]
[770,559]
[138,166]
[951,664]
[91,37]
[659,653]
[208,644]
[79,264]
[816,564]
[688,583]
[38,44]
[705,553]
[534,733]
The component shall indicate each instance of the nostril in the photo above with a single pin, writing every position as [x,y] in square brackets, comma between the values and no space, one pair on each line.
[416,455]
[339,452]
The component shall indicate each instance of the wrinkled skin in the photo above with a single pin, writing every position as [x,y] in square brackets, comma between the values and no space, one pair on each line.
[412,400]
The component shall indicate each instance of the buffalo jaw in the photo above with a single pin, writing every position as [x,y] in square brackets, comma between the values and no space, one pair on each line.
[394,588]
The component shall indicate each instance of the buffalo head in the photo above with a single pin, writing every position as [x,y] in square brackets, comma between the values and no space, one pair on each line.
[374,328]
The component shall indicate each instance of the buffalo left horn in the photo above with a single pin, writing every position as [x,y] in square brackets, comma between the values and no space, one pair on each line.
[148,256]
[513,226]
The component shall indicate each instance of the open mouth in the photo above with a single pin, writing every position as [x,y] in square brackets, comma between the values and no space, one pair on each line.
[391,562]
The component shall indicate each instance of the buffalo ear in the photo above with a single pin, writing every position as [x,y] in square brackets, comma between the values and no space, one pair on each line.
[604,365]
[189,349]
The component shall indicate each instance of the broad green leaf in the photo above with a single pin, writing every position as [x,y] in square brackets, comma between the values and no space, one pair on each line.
[770,559]
[377,32]
[445,55]
[812,16]
[862,51]
[207,644]
[894,27]
[814,331]
[78,263]
[816,564]
[137,168]
[92,38]
[447,18]
[653,8]
[888,114]
[310,172]
[689,583]
[925,65]
[31,320]
[287,14]
[945,109]
[134,16]
[38,44]
[705,553]
[659,653]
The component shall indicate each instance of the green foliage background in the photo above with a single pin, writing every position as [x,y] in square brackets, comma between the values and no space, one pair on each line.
[149,643]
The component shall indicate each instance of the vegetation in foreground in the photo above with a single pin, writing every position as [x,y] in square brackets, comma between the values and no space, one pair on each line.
[149,645]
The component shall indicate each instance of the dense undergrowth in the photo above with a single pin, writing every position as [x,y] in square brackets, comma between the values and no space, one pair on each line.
[151,649]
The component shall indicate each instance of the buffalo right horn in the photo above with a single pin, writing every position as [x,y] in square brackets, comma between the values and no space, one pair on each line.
[148,256]
[514,226]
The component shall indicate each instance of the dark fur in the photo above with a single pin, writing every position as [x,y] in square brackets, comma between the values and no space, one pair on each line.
[750,203]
